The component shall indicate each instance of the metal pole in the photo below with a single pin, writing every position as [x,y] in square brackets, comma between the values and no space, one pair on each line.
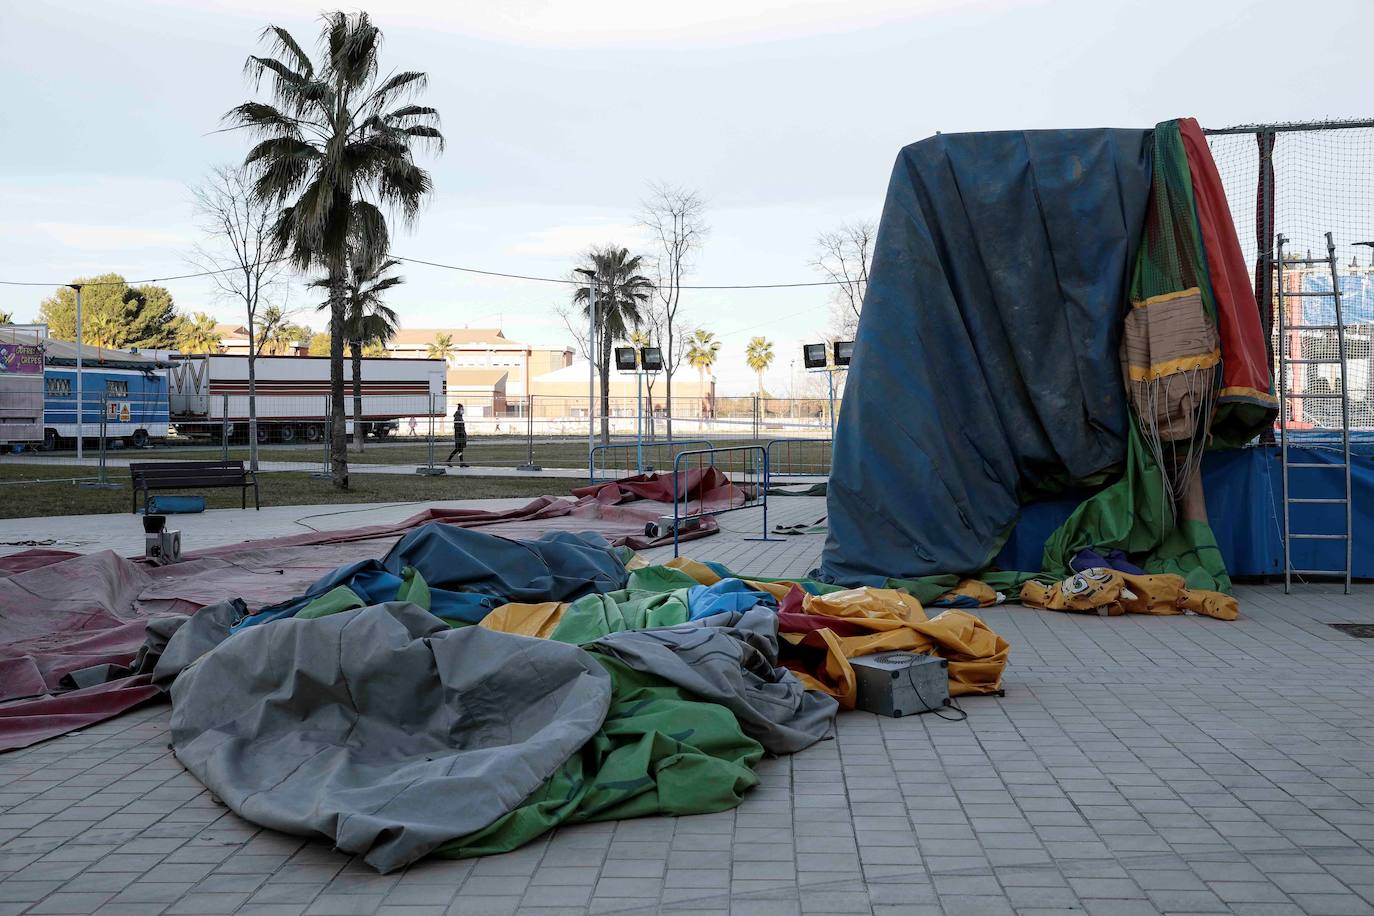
[639,422]
[591,379]
[80,393]
[224,429]
[1283,414]
[529,464]
[830,379]
[104,433]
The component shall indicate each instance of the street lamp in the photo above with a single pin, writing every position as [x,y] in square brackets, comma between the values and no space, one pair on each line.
[641,362]
[591,368]
[814,357]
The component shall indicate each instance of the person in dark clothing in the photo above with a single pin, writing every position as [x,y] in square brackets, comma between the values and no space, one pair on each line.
[460,438]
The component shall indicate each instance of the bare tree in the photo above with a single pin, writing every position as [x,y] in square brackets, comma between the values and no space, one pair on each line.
[240,247]
[844,256]
[675,217]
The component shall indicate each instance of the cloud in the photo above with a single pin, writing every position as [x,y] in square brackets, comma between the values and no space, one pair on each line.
[569,241]
[551,23]
[89,237]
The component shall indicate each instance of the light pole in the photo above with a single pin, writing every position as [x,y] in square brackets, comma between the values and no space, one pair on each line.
[80,401]
[815,357]
[591,367]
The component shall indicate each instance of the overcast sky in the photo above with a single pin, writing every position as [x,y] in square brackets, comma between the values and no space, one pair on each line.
[785,114]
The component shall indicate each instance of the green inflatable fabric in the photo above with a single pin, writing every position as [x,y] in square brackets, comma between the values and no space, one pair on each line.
[658,752]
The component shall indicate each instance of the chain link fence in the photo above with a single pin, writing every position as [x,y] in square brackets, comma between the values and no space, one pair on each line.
[1302,181]
[394,434]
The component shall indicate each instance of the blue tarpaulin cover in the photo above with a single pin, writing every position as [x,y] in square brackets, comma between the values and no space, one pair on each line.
[1245,506]
[987,354]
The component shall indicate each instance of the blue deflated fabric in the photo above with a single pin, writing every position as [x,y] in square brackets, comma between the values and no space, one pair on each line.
[469,572]
[986,359]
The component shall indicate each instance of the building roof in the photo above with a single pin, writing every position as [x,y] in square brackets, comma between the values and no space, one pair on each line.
[461,336]
[230,330]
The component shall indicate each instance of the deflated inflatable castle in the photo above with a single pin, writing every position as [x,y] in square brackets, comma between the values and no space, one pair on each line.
[1058,318]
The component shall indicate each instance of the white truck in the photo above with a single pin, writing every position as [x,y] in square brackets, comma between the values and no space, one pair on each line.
[208,396]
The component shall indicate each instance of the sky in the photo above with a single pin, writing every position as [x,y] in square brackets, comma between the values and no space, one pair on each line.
[785,115]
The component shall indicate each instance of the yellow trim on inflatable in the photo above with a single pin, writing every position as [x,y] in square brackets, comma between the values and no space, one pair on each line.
[1167,297]
[1171,366]
[1253,394]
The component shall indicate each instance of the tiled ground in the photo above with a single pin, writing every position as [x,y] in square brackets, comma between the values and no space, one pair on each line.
[1136,765]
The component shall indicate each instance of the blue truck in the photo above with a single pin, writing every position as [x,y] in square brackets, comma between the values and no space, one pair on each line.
[132,401]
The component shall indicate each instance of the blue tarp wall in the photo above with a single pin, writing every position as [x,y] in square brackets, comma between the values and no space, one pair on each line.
[986,357]
[1245,506]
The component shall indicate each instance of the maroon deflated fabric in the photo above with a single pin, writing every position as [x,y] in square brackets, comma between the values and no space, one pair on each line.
[63,612]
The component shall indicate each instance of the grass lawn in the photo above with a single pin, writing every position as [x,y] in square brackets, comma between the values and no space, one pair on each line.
[791,457]
[64,497]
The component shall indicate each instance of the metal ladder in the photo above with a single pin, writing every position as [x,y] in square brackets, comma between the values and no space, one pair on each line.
[1287,359]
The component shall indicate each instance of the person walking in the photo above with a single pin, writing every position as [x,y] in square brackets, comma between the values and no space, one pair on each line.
[460,438]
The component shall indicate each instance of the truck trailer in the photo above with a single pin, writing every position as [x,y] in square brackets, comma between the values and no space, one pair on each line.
[209,396]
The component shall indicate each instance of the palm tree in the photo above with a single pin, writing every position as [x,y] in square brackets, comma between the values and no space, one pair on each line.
[6,317]
[335,147]
[759,355]
[197,334]
[620,292]
[368,321]
[442,347]
[275,333]
[702,348]
[105,330]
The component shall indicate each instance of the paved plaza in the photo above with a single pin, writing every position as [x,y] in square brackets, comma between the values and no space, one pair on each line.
[1135,765]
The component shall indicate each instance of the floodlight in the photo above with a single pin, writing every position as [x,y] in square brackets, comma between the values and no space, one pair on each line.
[844,352]
[625,359]
[813,356]
[651,359]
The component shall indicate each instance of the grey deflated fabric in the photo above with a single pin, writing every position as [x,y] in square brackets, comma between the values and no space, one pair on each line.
[382,728]
[732,659]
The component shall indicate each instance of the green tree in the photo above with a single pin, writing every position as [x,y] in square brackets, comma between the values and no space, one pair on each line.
[369,321]
[335,147]
[702,349]
[621,292]
[144,317]
[198,335]
[759,355]
[320,344]
[442,347]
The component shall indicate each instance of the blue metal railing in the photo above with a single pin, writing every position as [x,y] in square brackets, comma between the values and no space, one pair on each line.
[620,459]
[799,457]
[746,466]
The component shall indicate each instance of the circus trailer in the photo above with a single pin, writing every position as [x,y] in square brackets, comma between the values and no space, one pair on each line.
[21,394]
[209,396]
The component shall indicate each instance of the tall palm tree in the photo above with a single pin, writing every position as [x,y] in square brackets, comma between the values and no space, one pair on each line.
[442,347]
[6,317]
[197,334]
[105,330]
[759,355]
[621,290]
[336,147]
[702,348]
[368,321]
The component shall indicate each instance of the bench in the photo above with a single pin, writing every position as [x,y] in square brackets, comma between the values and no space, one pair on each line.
[181,475]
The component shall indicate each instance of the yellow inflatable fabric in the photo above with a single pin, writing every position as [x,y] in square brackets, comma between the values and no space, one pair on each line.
[977,656]
[525,619]
[1111,593]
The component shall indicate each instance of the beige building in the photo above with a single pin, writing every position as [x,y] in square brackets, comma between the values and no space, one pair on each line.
[485,349]
[233,341]
[563,392]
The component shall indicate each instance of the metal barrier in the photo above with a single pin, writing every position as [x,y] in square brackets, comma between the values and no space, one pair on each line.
[625,458]
[799,457]
[747,468]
